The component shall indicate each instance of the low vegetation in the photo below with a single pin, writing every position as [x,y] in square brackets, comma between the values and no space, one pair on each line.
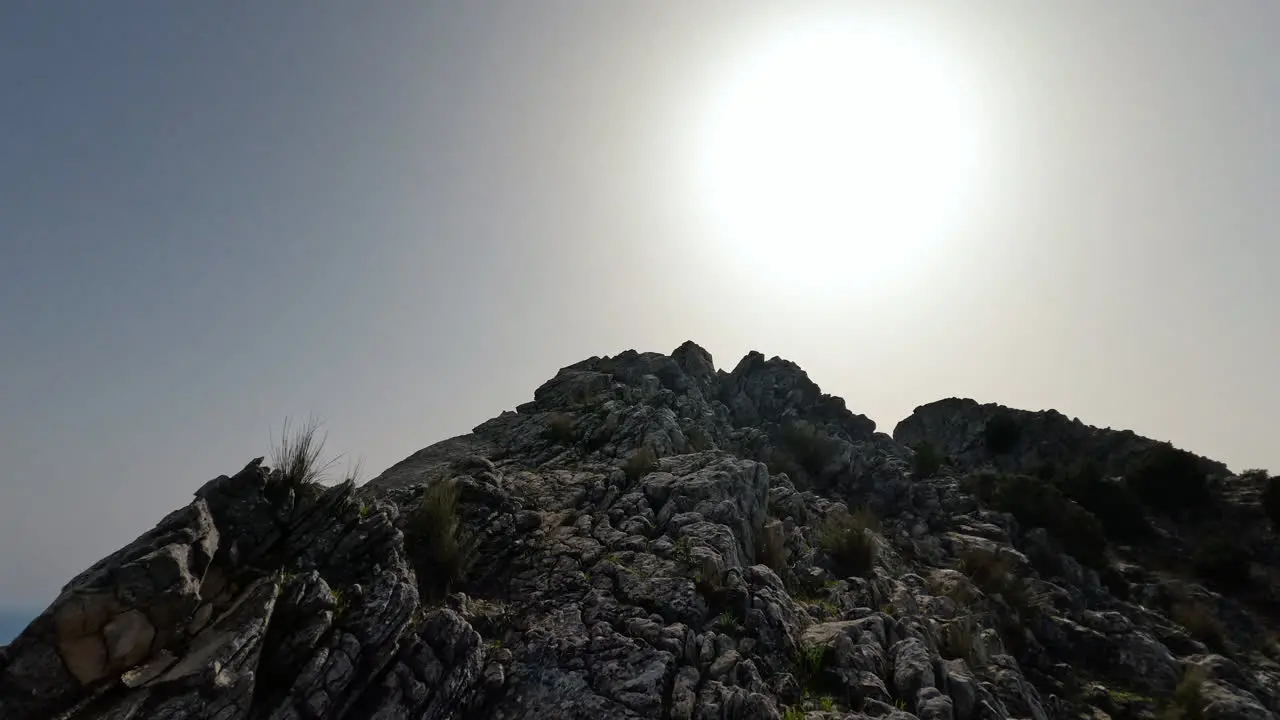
[432,541]
[812,664]
[299,451]
[1188,698]
[641,463]
[1036,503]
[559,428]
[849,540]
[1001,433]
[992,572]
[1256,475]
[1271,501]
[780,462]
[1114,503]
[927,462]
[809,447]
[1200,622]
[340,602]
[726,622]
[1169,479]
[1223,561]
[996,574]
[355,471]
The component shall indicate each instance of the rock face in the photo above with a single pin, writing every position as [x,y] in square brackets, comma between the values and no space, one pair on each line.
[957,427]
[653,538]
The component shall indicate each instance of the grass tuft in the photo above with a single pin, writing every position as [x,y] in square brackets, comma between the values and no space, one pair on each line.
[431,537]
[641,463]
[996,574]
[298,453]
[1200,622]
[1188,698]
[849,539]
[355,471]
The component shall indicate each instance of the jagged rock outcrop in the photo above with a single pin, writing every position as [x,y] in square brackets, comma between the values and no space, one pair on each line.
[957,427]
[653,538]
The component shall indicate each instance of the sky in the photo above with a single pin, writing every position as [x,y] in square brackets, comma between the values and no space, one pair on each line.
[404,217]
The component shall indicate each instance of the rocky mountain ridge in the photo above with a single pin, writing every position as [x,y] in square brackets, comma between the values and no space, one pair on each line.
[651,537]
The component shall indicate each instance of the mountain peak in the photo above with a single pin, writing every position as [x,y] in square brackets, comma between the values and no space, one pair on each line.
[652,537]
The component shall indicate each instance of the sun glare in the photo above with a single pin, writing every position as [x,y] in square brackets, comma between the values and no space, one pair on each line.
[837,151]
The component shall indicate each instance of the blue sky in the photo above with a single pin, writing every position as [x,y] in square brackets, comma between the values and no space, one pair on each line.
[405,216]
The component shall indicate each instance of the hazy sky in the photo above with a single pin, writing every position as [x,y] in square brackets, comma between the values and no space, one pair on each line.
[406,216]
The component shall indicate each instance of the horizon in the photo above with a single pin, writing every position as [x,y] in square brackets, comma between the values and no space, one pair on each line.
[405,219]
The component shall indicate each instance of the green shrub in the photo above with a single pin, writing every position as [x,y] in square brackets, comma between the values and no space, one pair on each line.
[1169,479]
[1036,503]
[1271,501]
[810,447]
[1256,475]
[641,463]
[559,428]
[1001,433]
[993,572]
[1223,561]
[849,540]
[726,622]
[1188,698]
[813,661]
[781,462]
[927,462]
[996,574]
[340,601]
[1115,505]
[1200,622]
[297,454]
[432,542]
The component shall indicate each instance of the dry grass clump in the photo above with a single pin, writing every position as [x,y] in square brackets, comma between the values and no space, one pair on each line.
[298,453]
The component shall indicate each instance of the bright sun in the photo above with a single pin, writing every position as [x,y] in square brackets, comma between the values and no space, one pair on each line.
[837,152]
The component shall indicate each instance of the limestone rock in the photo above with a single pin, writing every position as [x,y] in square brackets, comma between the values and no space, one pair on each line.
[648,538]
